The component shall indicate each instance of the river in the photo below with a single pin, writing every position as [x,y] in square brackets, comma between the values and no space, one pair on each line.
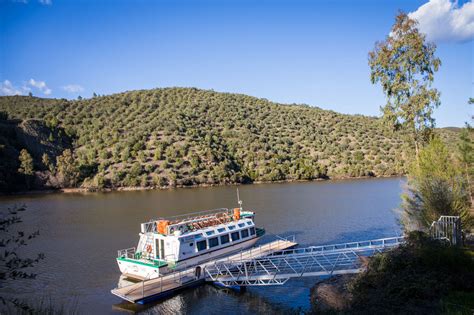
[80,234]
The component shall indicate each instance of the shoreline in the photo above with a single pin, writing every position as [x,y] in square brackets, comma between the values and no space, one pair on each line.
[140,188]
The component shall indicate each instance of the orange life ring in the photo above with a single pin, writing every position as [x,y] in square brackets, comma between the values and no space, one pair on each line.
[148,248]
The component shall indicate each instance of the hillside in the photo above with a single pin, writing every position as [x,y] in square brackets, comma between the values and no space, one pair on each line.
[186,136]
[39,140]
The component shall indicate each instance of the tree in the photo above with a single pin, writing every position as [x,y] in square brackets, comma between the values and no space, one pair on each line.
[46,161]
[404,64]
[26,163]
[436,187]
[466,154]
[67,169]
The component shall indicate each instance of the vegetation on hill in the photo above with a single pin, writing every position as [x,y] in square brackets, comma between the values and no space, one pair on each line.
[27,149]
[186,136]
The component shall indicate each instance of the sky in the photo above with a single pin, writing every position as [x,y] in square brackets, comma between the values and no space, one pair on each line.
[295,51]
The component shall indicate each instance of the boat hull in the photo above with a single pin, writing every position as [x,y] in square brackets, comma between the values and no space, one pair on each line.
[142,271]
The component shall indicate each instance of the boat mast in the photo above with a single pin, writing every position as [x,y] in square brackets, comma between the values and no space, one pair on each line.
[238,200]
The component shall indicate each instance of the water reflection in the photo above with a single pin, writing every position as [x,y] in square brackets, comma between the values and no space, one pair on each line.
[196,301]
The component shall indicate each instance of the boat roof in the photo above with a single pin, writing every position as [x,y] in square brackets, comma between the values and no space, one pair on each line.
[195,221]
[221,228]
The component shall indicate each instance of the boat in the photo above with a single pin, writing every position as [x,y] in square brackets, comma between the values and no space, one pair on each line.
[175,243]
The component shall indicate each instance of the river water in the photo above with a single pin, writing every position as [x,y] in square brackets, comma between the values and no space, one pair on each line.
[81,233]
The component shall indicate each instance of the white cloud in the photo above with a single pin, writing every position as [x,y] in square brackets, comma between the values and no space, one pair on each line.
[41,86]
[73,88]
[7,88]
[46,2]
[443,20]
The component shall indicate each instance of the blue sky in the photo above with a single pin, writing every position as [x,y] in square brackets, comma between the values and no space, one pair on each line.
[312,52]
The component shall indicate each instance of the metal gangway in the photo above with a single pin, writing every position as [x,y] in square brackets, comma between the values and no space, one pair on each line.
[277,268]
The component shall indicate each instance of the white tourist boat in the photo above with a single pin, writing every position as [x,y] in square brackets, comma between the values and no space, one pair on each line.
[170,244]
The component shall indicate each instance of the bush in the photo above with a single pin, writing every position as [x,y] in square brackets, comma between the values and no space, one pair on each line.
[412,278]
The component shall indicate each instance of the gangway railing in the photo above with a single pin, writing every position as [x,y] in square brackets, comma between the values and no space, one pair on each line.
[277,268]
[384,242]
[447,228]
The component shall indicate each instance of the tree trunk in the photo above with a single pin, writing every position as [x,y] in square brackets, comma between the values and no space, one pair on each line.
[417,151]
[469,184]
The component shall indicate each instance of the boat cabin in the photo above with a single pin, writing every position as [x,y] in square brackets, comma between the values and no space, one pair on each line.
[176,239]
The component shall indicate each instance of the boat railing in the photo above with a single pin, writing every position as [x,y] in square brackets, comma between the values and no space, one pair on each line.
[179,277]
[183,217]
[127,253]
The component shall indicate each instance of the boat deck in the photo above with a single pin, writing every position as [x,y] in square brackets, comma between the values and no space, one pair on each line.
[152,289]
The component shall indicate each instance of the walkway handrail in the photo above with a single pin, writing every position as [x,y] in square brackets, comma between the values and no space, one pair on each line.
[389,241]
[290,238]
[276,268]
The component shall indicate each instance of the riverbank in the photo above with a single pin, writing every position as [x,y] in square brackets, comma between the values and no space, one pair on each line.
[141,188]
[423,276]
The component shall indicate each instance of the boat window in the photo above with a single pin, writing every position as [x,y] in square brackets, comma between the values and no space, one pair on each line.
[220,230]
[245,233]
[231,227]
[252,231]
[191,244]
[213,242]
[210,232]
[201,245]
[241,224]
[249,223]
[225,239]
[235,236]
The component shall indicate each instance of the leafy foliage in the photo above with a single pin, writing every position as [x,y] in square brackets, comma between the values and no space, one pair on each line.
[437,187]
[67,169]
[413,278]
[466,154]
[24,149]
[26,163]
[405,64]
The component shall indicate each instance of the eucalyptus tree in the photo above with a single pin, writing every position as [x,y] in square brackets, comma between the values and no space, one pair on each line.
[466,152]
[404,64]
